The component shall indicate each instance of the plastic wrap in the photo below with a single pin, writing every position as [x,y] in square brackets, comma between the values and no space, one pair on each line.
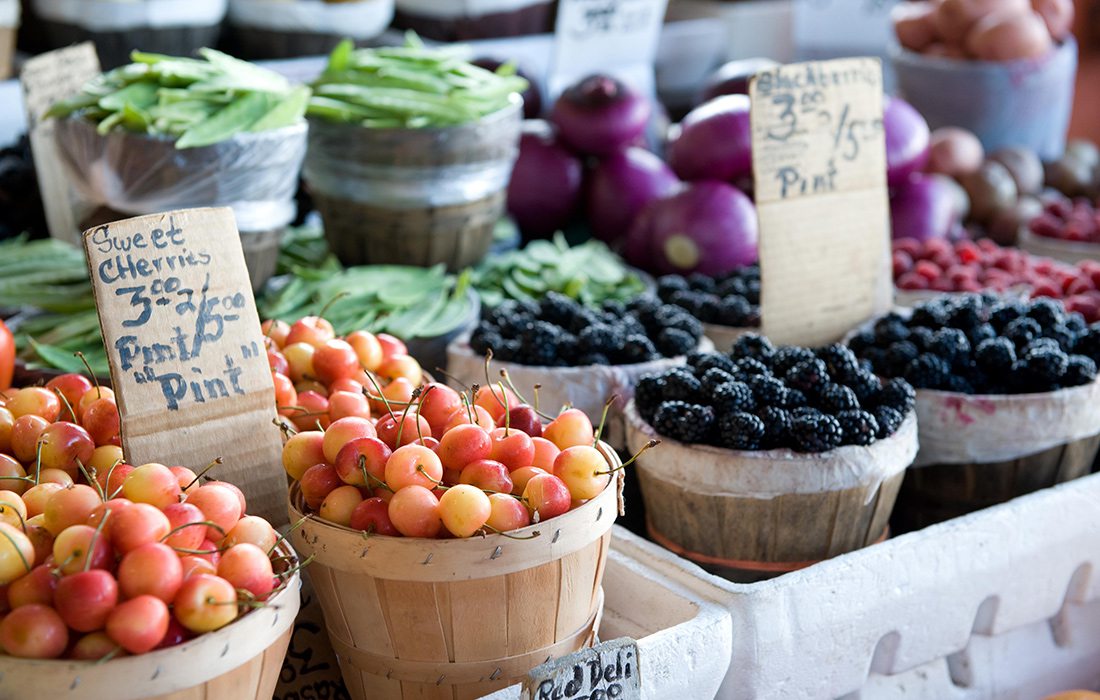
[361,19]
[766,474]
[414,168]
[255,174]
[964,429]
[112,15]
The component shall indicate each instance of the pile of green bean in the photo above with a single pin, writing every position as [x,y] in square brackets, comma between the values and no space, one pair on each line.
[409,87]
[200,101]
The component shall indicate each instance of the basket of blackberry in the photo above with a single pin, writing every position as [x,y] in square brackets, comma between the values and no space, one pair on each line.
[728,306]
[772,458]
[1008,400]
[576,355]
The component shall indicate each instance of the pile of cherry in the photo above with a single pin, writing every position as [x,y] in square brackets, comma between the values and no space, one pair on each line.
[99,558]
[975,266]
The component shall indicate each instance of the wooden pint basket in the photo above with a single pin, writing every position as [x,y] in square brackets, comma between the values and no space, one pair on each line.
[460,618]
[241,661]
[748,516]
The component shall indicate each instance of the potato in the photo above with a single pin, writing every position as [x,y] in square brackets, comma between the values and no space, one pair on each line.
[955,18]
[1009,37]
[1070,175]
[1024,166]
[1005,224]
[1058,16]
[954,151]
[962,199]
[1084,151]
[914,25]
[990,188]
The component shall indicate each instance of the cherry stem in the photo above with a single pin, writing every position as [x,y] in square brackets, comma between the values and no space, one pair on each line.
[536,390]
[91,480]
[197,552]
[287,429]
[282,538]
[469,408]
[204,523]
[404,415]
[56,571]
[507,411]
[108,656]
[108,479]
[535,407]
[213,463]
[438,483]
[603,418]
[289,573]
[91,546]
[302,411]
[533,535]
[624,465]
[38,463]
[330,302]
[98,389]
[453,378]
[22,523]
[65,401]
[381,396]
[368,477]
[489,382]
[419,408]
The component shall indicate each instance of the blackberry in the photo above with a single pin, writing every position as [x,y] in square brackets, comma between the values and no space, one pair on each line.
[686,422]
[788,356]
[508,310]
[889,420]
[840,361]
[927,372]
[1004,313]
[1088,343]
[819,433]
[734,310]
[668,284]
[752,345]
[709,306]
[897,394]
[1041,344]
[689,301]
[928,314]
[966,313]
[807,376]
[980,333]
[669,316]
[750,366]
[1046,367]
[866,385]
[741,431]
[714,378]
[701,282]
[638,348]
[672,342]
[777,425]
[644,306]
[614,307]
[768,391]
[890,329]
[704,361]
[996,355]
[583,319]
[649,391]
[485,339]
[681,385]
[877,358]
[860,427]
[950,344]
[805,411]
[1062,335]
[1075,322]
[630,325]
[568,349]
[586,359]
[793,398]
[834,398]
[601,338]
[1080,370]
[899,355]
[861,341]
[958,384]
[733,397]
[1047,312]
[922,338]
[1022,331]
[557,308]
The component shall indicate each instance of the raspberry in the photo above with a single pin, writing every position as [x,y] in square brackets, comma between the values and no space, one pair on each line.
[686,422]
[741,431]
[860,427]
[819,433]
[734,397]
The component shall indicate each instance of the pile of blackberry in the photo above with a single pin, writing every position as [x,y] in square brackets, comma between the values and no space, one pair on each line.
[559,332]
[730,300]
[762,397]
[983,344]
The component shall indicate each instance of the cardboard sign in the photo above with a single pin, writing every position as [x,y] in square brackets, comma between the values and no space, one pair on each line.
[617,37]
[46,79]
[819,164]
[607,671]
[186,353]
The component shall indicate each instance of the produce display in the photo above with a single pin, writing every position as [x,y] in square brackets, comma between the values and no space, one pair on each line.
[998,30]
[759,397]
[732,299]
[448,464]
[197,102]
[976,344]
[408,87]
[559,332]
[100,558]
[1063,219]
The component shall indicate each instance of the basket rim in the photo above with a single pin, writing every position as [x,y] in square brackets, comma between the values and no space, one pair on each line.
[900,54]
[514,106]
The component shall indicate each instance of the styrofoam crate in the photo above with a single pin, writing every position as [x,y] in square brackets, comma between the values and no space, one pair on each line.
[1002,604]
[681,625]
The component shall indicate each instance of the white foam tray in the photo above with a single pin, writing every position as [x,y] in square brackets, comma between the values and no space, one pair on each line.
[680,621]
[1003,604]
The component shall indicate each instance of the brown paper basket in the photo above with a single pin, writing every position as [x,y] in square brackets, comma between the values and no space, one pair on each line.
[745,536]
[241,661]
[456,619]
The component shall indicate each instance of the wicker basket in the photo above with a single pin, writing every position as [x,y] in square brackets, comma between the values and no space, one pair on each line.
[241,661]
[747,516]
[459,618]
[412,196]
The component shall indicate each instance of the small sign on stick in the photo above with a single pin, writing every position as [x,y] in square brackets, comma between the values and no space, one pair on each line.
[607,671]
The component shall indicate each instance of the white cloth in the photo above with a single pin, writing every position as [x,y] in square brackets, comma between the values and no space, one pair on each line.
[363,19]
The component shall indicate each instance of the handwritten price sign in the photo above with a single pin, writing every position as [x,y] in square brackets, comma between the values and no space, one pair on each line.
[186,353]
[819,163]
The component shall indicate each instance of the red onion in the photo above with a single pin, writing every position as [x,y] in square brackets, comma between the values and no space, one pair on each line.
[620,186]
[546,182]
[707,227]
[924,207]
[600,115]
[907,140]
[714,142]
[733,78]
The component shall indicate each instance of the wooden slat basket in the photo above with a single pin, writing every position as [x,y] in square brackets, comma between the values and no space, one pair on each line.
[459,618]
[241,661]
[748,516]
